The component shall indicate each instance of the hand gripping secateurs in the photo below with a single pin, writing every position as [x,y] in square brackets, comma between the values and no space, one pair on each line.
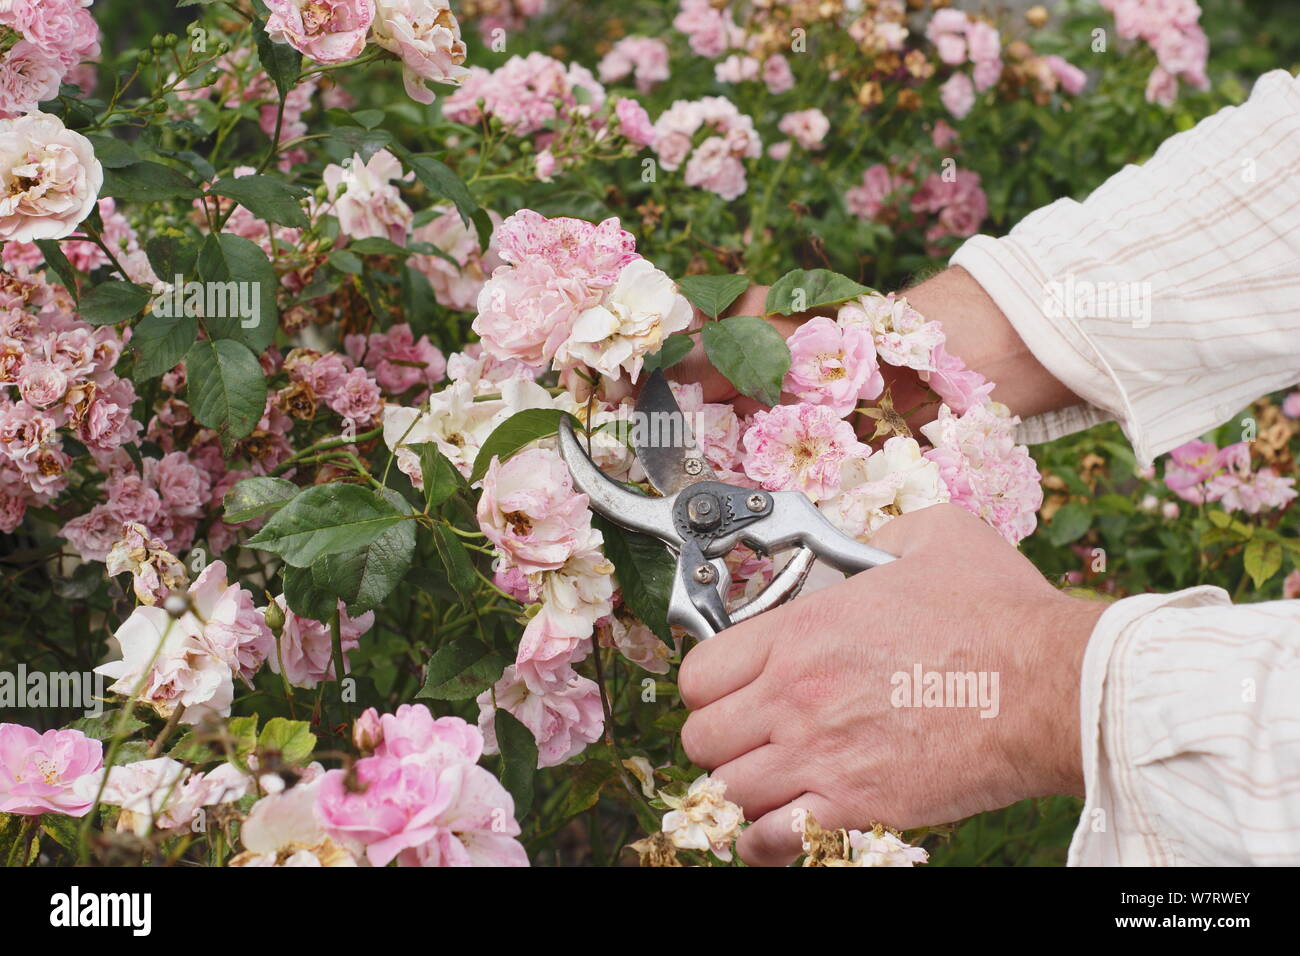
[700,519]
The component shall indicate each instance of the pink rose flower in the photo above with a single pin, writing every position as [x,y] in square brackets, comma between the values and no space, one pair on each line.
[832,365]
[366,202]
[643,57]
[958,95]
[564,718]
[530,511]
[573,248]
[306,648]
[960,388]
[799,448]
[38,771]
[525,312]
[713,167]
[51,178]
[42,384]
[328,31]
[634,122]
[879,186]
[455,286]
[28,75]
[357,398]
[392,806]
[777,75]
[985,471]
[807,127]
[1071,78]
[426,37]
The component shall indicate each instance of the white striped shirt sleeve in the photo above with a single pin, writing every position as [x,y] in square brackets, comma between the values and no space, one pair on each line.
[1190,713]
[1191,733]
[1211,225]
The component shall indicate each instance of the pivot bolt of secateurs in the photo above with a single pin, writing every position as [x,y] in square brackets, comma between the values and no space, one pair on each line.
[703,512]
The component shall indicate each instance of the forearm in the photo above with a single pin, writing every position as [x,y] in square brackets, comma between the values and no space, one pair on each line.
[981,336]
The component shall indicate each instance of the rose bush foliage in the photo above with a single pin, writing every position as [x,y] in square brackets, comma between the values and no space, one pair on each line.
[295,296]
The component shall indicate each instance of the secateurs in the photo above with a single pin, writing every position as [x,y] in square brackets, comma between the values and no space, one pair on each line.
[700,519]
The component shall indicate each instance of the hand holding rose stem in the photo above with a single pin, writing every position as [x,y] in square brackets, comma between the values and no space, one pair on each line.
[792,710]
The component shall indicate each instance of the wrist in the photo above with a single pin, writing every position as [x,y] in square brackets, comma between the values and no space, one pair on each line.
[1054,730]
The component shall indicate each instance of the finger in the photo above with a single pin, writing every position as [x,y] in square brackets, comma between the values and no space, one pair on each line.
[760,780]
[777,837]
[728,727]
[723,664]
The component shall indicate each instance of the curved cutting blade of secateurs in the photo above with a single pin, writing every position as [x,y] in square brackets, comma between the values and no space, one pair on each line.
[608,498]
[664,440]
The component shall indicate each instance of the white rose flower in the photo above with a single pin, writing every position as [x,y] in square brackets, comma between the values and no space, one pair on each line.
[49,178]
[641,309]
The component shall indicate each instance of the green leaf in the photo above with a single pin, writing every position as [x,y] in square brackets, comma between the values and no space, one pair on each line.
[267,198]
[147,181]
[1263,559]
[461,670]
[674,349]
[172,256]
[750,353]
[441,181]
[363,578]
[244,317]
[1070,523]
[326,519]
[103,726]
[513,434]
[112,302]
[712,294]
[585,783]
[518,759]
[800,290]
[460,569]
[255,497]
[346,261]
[1220,519]
[112,152]
[159,342]
[281,61]
[378,246]
[58,262]
[644,571]
[441,479]
[365,142]
[226,389]
[304,597]
[291,739]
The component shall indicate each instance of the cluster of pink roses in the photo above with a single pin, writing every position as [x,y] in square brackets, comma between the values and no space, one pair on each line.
[423,34]
[835,364]
[715,163]
[572,293]
[959,38]
[41,43]
[549,553]
[645,59]
[1172,29]
[950,204]
[1200,472]
[417,796]
[525,93]
[57,379]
